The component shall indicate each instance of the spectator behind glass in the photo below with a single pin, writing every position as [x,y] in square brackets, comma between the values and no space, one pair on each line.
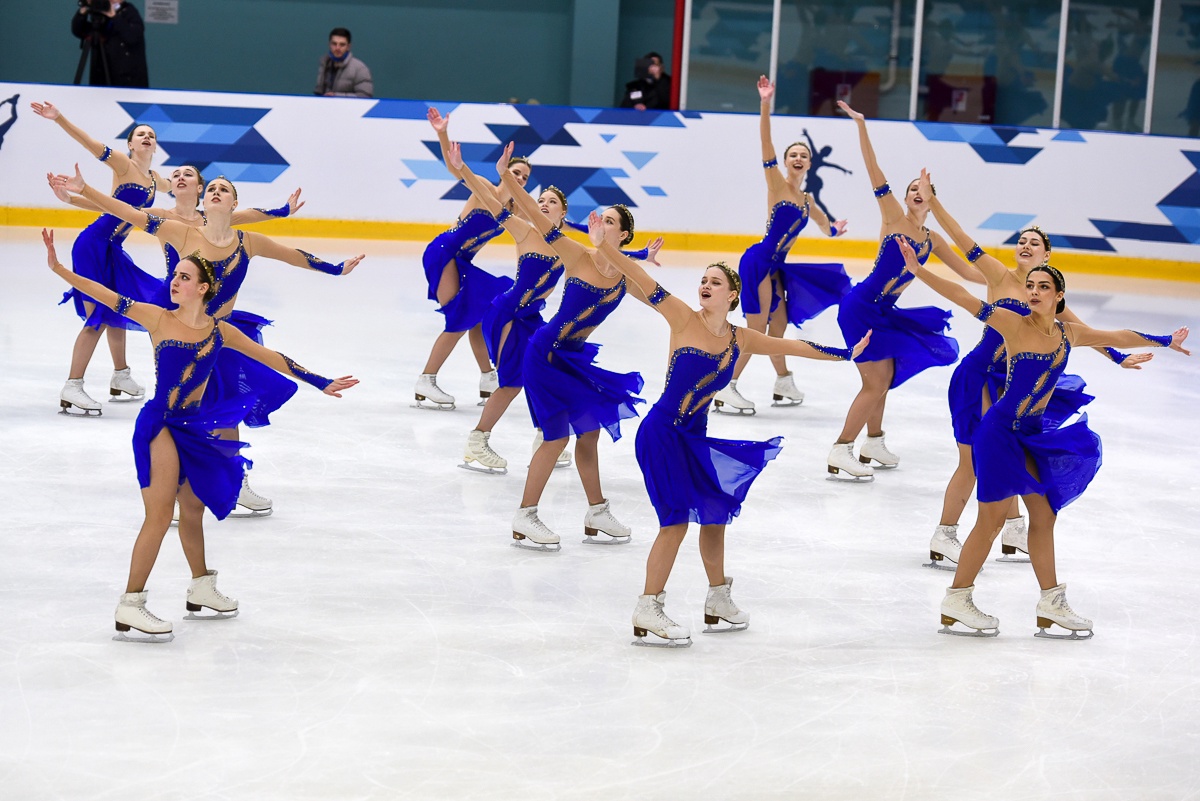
[651,88]
[118,32]
[340,74]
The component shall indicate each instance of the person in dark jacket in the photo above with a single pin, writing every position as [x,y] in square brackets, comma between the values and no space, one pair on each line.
[652,87]
[339,73]
[117,35]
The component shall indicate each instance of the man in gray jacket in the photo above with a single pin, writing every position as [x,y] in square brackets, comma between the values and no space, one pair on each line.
[341,74]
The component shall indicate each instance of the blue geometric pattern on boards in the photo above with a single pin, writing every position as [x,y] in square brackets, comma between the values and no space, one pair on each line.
[1069,136]
[407,109]
[654,191]
[1181,207]
[585,187]
[215,139]
[991,142]
[1001,221]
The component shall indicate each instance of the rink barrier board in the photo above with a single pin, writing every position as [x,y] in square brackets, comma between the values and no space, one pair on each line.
[825,247]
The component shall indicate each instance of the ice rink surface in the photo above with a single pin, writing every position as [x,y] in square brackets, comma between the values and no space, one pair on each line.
[393,645]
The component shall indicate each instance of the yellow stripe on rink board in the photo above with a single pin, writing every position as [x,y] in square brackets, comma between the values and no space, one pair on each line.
[821,247]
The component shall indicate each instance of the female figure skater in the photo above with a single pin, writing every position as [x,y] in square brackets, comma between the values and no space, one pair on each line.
[565,389]
[463,291]
[906,341]
[679,460]
[516,313]
[99,254]
[1017,453]
[979,378]
[175,454]
[779,292]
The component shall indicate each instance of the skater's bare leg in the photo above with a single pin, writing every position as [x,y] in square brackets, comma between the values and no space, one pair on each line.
[448,286]
[85,346]
[958,491]
[1041,539]
[116,346]
[867,406]
[777,327]
[712,553]
[191,529]
[756,322]
[587,462]
[979,543]
[875,418]
[159,501]
[540,468]
[479,349]
[662,557]
[495,407]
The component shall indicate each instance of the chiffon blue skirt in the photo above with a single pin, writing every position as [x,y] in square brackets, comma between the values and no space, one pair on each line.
[510,359]
[238,376]
[694,478]
[914,339]
[97,256]
[476,288]
[965,396]
[1066,458]
[567,392]
[212,466]
[810,288]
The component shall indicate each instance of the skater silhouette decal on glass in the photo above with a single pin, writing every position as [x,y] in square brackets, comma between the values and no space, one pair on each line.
[813,182]
[4,126]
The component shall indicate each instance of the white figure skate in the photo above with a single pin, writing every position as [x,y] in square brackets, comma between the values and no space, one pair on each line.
[203,594]
[564,456]
[250,503]
[649,617]
[1053,608]
[841,458]
[478,450]
[959,607]
[122,384]
[599,520]
[133,614]
[175,515]
[785,392]
[731,398]
[531,533]
[427,390]
[719,606]
[944,548]
[489,382]
[875,448]
[73,397]
[1014,537]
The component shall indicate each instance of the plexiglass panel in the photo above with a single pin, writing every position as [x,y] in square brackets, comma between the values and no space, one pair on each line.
[1108,52]
[852,50]
[730,47]
[1177,84]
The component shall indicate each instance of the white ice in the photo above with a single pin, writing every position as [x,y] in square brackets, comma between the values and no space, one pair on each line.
[392,645]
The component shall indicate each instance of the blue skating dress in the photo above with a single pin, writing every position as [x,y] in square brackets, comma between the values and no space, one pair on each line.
[810,288]
[985,367]
[235,374]
[521,305]
[564,388]
[477,288]
[691,477]
[914,339]
[212,466]
[1066,457]
[99,254]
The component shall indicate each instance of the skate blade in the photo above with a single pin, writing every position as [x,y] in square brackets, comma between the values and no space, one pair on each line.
[64,411]
[1044,633]
[604,538]
[526,545]
[785,402]
[1011,559]
[125,397]
[659,642]
[495,471]
[719,408]
[129,636]
[247,514]
[434,406]
[878,464]
[970,632]
[717,628]
[944,564]
[842,476]
[194,615]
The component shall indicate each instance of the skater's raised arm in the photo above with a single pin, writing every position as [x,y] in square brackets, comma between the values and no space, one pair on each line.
[442,125]
[771,169]
[1083,336]
[954,292]
[949,256]
[889,206]
[115,159]
[639,282]
[71,200]
[1128,361]
[759,343]
[485,193]
[254,215]
[262,245]
[238,341]
[172,232]
[144,314]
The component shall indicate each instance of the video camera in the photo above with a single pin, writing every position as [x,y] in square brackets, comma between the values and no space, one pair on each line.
[97,10]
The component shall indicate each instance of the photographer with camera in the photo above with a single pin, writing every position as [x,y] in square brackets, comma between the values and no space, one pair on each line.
[652,86]
[113,34]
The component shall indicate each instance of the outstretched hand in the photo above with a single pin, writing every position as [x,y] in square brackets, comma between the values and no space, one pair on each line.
[861,346]
[350,264]
[340,385]
[652,251]
[505,157]
[59,192]
[595,232]
[910,257]
[925,185]
[454,156]
[46,110]
[839,226]
[1177,340]
[75,184]
[1134,361]
[436,119]
[851,113]
[766,89]
[48,240]
[294,202]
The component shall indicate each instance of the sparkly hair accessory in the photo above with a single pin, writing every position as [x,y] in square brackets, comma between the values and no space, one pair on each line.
[206,266]
[1037,230]
[231,186]
[794,144]
[627,217]
[519,160]
[561,197]
[1060,282]
[735,280]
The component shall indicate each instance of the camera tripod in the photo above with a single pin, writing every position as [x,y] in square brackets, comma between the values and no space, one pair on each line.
[92,44]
